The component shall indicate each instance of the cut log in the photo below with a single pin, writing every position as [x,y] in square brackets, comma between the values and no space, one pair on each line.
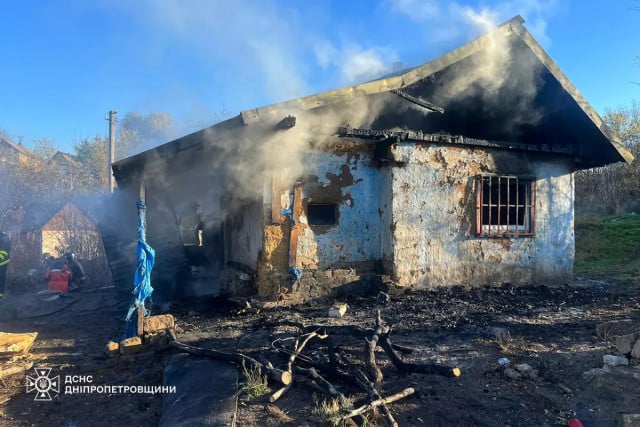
[422,368]
[278,394]
[373,394]
[403,348]
[383,401]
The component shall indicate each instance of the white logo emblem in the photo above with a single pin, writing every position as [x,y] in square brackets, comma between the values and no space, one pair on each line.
[43,384]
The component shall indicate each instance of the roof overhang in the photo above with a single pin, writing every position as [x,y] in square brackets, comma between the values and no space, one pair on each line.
[563,116]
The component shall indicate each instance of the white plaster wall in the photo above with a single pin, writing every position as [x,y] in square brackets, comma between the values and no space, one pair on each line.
[433,220]
[356,237]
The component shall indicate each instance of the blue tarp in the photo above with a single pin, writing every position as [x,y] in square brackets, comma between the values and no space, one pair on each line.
[142,280]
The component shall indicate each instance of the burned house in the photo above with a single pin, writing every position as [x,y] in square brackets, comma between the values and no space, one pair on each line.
[456,172]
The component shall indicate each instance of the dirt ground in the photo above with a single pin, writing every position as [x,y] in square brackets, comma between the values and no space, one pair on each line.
[550,328]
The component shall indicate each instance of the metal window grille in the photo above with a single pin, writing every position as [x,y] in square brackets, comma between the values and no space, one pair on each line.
[505,206]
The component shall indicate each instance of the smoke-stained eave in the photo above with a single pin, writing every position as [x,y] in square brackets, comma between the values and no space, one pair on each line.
[568,86]
[597,146]
[603,138]
[381,85]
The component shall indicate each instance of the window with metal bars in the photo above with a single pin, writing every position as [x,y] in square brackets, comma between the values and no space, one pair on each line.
[505,206]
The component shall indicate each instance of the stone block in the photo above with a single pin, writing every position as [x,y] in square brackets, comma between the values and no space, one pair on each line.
[112,348]
[624,343]
[338,310]
[131,345]
[158,323]
[612,360]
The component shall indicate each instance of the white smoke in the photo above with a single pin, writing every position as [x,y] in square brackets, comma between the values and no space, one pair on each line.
[353,63]
[451,21]
[499,74]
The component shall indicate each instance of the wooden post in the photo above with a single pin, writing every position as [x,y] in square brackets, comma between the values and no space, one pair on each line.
[140,324]
[112,149]
[140,313]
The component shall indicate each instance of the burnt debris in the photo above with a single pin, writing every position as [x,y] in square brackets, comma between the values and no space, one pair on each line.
[418,101]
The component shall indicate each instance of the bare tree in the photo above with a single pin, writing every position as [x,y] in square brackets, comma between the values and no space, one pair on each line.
[614,188]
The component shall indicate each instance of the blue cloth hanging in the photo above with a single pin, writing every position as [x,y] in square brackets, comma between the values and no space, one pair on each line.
[142,279]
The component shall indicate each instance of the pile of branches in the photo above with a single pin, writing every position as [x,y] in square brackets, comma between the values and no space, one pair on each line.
[322,374]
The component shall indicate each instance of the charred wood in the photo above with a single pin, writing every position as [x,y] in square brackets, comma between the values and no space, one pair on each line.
[283,377]
[372,367]
[373,394]
[422,368]
[379,402]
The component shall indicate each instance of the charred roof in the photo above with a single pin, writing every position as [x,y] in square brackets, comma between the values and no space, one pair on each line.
[526,99]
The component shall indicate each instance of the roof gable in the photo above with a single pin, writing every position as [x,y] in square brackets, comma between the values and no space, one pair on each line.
[64,158]
[17,147]
[560,116]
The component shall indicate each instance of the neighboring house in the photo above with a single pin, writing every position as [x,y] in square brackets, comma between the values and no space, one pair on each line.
[11,152]
[65,161]
[456,172]
[56,229]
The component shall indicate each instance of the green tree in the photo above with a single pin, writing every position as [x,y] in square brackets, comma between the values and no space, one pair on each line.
[93,158]
[614,188]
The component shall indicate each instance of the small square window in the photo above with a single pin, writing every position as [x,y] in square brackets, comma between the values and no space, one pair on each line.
[321,214]
[505,206]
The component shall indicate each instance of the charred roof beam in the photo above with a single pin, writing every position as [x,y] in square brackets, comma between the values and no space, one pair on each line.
[286,123]
[418,101]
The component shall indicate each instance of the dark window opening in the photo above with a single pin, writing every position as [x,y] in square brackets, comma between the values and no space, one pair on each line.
[506,206]
[321,214]
[191,225]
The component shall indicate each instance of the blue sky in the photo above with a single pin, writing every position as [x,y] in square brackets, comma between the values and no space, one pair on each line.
[66,63]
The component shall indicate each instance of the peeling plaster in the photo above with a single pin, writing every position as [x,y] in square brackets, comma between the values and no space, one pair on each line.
[350,182]
[418,218]
[433,237]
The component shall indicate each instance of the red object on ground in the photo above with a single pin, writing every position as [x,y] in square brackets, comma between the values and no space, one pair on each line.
[58,280]
[575,423]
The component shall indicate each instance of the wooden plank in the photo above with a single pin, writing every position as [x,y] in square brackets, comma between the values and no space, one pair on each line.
[295,231]
[276,193]
[14,344]
[140,323]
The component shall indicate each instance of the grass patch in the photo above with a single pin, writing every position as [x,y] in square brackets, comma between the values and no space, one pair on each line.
[608,245]
[330,413]
[255,384]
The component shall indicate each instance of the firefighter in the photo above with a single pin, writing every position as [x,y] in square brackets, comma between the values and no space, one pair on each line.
[5,249]
[58,276]
[76,269]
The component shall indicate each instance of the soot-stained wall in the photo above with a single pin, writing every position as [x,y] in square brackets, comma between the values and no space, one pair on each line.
[414,219]
[352,184]
[433,234]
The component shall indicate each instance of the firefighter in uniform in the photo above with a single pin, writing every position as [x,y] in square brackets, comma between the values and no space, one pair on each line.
[5,249]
